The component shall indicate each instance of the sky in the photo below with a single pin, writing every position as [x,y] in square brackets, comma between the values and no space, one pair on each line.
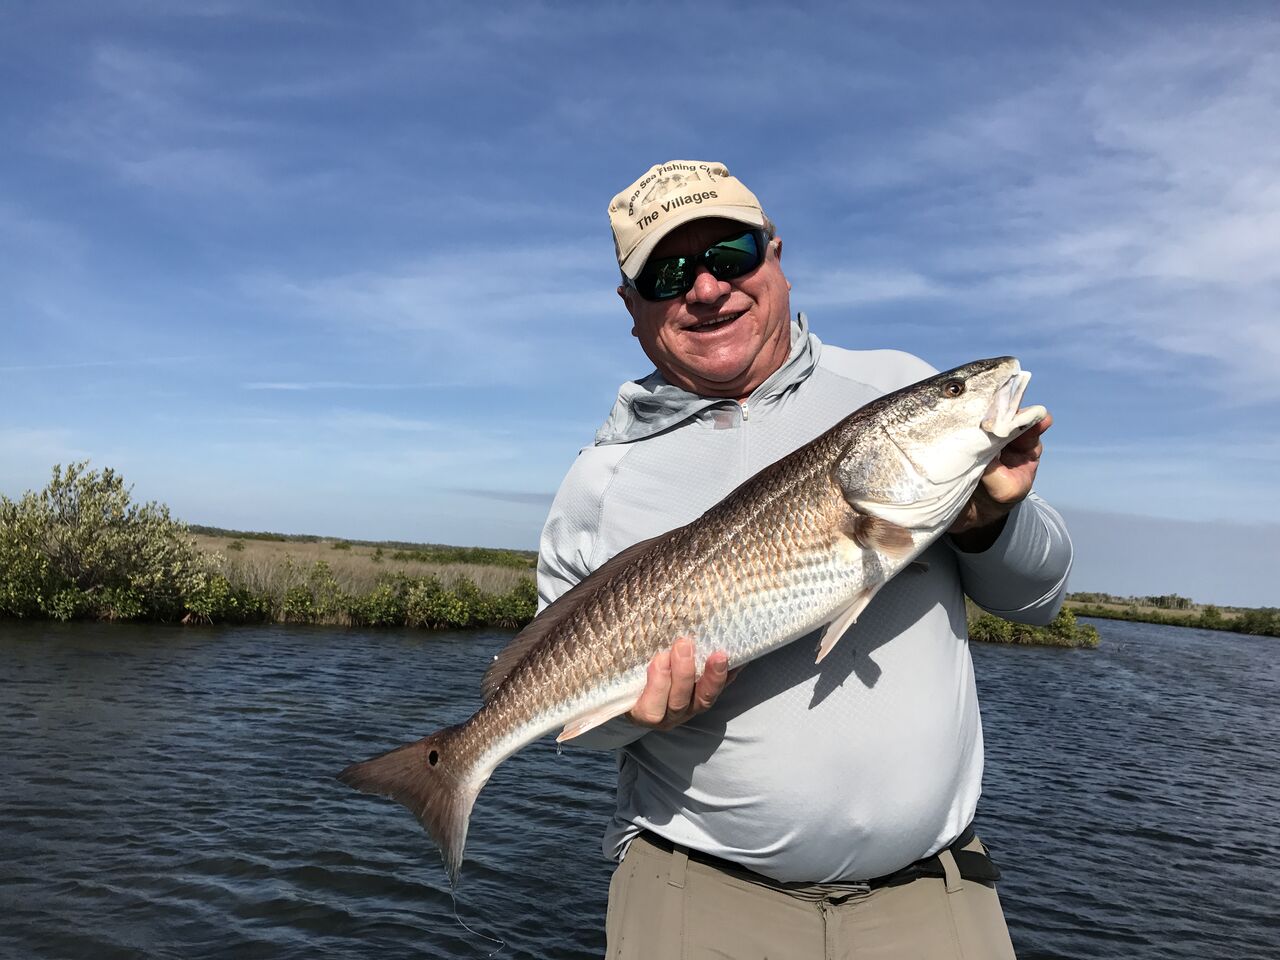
[345,269]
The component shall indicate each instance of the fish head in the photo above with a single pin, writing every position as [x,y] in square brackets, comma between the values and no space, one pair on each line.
[923,449]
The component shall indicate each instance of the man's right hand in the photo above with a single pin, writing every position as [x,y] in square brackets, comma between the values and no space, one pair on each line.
[674,692]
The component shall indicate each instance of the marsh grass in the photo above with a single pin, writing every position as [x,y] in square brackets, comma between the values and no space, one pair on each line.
[271,567]
[1256,621]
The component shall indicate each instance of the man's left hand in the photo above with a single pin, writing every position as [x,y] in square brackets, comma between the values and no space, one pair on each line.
[1005,483]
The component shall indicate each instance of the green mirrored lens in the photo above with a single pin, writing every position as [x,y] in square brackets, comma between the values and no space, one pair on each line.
[671,276]
[732,258]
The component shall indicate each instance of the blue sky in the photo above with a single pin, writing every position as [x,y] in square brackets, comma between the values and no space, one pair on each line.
[345,269]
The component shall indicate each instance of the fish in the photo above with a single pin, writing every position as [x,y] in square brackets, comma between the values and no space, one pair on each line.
[804,544]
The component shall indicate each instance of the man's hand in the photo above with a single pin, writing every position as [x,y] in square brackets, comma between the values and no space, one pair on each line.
[673,692]
[1005,484]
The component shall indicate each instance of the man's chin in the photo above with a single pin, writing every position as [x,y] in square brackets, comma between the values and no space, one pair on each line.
[726,380]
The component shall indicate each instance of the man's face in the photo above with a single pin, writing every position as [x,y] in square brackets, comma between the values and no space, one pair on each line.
[722,338]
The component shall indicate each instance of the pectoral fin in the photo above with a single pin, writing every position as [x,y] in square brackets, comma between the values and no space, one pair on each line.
[844,620]
[875,533]
[602,714]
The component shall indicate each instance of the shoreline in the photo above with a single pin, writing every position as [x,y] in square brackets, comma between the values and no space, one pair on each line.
[1254,621]
[82,550]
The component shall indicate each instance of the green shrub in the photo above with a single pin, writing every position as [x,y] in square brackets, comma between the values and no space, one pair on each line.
[296,606]
[988,629]
[1062,631]
[385,606]
[515,608]
[1263,622]
[327,599]
[69,603]
[216,600]
[120,603]
[479,555]
[81,548]
[27,579]
[430,605]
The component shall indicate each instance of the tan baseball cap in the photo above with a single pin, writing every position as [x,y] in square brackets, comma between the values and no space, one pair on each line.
[670,194]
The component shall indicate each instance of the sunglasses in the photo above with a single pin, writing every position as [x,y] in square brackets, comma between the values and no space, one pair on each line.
[669,277]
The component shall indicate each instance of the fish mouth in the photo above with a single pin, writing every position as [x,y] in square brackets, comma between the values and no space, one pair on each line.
[1004,418]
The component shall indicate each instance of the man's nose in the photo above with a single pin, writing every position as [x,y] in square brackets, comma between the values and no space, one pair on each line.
[706,288]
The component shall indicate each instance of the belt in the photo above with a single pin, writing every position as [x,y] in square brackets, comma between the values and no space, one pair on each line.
[972,864]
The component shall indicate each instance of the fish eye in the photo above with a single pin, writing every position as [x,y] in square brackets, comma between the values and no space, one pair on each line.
[953,388]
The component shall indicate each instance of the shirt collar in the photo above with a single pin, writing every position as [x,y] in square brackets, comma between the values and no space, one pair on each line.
[651,405]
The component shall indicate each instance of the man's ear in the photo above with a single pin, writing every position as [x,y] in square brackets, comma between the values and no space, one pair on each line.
[777,252]
[625,293]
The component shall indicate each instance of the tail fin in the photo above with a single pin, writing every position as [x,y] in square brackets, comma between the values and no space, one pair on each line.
[435,780]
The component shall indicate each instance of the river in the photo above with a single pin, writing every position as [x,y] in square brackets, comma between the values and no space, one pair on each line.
[169,792]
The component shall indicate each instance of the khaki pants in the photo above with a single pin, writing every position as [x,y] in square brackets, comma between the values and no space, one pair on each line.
[664,906]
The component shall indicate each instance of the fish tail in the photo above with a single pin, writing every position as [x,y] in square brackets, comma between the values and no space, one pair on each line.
[435,780]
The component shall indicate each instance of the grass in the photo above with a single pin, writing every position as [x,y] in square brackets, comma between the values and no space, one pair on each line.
[1120,607]
[271,566]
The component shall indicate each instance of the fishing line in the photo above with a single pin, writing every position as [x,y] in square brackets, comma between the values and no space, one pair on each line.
[502,944]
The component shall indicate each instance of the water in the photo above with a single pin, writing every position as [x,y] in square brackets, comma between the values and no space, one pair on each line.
[169,793]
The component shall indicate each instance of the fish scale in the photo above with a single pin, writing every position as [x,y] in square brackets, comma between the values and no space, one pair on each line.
[804,543]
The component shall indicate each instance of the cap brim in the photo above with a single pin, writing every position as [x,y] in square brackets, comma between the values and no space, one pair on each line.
[635,260]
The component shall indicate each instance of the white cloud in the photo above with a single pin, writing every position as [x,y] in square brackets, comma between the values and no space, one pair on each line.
[99,364]
[306,386]
[1130,199]
[480,315]
[842,288]
[451,290]
[160,123]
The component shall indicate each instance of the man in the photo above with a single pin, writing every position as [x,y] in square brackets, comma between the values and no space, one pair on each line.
[805,810]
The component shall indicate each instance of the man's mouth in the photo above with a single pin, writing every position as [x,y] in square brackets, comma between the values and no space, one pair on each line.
[715,322]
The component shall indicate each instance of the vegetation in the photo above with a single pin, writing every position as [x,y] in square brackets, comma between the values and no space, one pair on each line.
[80,549]
[1175,611]
[400,550]
[1170,601]
[1063,631]
[1261,622]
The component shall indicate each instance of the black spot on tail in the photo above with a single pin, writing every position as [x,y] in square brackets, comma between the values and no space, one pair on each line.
[436,782]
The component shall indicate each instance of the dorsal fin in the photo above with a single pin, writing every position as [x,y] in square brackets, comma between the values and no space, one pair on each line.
[554,615]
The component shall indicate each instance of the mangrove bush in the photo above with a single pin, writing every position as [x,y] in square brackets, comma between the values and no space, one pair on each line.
[81,548]
[1062,631]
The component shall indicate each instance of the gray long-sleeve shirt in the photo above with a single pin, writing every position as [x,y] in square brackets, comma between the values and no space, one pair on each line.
[843,770]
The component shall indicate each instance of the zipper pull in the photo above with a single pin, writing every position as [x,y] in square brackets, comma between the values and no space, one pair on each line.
[745,418]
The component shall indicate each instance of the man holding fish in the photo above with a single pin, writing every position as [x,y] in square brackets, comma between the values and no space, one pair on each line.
[807,809]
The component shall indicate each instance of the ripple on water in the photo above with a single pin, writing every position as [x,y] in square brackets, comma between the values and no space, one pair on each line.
[176,797]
